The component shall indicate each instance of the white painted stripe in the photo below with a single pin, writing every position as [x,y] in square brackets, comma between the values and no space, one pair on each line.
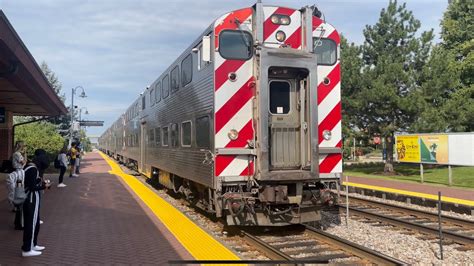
[323,71]
[268,11]
[321,158]
[229,88]
[324,29]
[337,168]
[336,136]
[220,20]
[238,121]
[331,100]
[237,166]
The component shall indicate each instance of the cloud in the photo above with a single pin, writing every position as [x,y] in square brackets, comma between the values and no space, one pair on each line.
[115,48]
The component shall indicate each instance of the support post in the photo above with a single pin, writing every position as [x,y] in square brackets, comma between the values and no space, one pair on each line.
[450,175]
[347,201]
[421,173]
[439,226]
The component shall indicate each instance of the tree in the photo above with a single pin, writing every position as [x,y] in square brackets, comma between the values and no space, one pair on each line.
[351,62]
[457,32]
[63,122]
[40,135]
[394,55]
[53,80]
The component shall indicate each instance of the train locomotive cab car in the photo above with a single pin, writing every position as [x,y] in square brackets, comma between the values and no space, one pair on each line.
[246,123]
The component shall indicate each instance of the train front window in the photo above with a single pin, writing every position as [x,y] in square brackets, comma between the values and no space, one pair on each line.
[235,44]
[279,97]
[325,50]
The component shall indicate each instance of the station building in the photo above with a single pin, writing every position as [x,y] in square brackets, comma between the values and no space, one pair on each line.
[24,89]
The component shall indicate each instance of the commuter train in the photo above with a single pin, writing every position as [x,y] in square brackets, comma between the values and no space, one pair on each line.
[246,122]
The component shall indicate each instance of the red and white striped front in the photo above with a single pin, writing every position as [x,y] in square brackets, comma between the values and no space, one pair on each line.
[233,99]
[329,103]
[293,31]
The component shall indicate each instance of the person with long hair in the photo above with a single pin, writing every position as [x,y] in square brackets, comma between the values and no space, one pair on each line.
[19,155]
[31,211]
[62,158]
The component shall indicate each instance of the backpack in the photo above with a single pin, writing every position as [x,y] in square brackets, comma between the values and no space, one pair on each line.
[16,187]
[57,163]
[20,194]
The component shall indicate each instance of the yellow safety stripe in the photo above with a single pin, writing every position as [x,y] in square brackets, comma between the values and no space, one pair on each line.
[412,193]
[198,242]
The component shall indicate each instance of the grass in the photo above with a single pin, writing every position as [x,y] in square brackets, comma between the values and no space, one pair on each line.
[463,176]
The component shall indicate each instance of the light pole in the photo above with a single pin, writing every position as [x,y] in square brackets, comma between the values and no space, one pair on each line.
[82,95]
[80,112]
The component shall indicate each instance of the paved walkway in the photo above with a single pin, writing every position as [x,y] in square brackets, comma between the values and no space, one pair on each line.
[94,219]
[458,193]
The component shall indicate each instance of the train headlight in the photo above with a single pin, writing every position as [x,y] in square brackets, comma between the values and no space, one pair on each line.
[233,134]
[280,36]
[275,19]
[327,134]
[281,19]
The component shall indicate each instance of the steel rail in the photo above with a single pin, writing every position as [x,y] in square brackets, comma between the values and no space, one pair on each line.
[458,238]
[271,252]
[353,248]
[420,213]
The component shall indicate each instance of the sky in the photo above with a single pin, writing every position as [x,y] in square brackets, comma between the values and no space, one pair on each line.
[114,49]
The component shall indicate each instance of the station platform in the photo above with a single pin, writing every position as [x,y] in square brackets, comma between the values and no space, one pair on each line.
[107,217]
[450,195]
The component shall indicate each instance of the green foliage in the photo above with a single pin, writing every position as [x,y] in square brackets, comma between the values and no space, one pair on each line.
[40,135]
[351,62]
[53,80]
[393,55]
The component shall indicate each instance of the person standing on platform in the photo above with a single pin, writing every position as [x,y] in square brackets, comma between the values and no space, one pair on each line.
[31,210]
[41,161]
[18,162]
[19,155]
[62,158]
[78,157]
[73,154]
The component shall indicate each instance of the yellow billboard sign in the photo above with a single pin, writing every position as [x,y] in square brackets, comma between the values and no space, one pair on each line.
[408,149]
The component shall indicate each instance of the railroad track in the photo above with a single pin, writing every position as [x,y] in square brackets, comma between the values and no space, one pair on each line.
[315,246]
[457,230]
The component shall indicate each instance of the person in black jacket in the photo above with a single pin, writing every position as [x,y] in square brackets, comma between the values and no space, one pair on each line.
[41,161]
[31,209]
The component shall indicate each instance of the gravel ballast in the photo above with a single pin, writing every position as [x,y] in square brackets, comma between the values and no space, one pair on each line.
[404,247]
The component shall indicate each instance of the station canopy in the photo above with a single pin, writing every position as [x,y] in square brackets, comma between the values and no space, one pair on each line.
[24,90]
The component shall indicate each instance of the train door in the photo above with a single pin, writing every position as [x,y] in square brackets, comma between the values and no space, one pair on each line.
[143,143]
[288,130]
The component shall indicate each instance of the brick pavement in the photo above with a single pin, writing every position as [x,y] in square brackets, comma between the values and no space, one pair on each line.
[94,219]
[459,193]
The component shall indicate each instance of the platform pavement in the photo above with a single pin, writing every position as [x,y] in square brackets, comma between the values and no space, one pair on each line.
[449,194]
[94,220]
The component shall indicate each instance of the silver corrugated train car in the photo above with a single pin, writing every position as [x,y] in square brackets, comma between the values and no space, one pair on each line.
[246,123]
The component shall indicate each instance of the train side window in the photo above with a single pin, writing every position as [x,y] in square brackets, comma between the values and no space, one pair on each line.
[187,70]
[202,132]
[325,50]
[174,135]
[186,134]
[143,101]
[158,92]
[174,79]
[165,136]
[235,44]
[166,86]
[152,97]
[151,136]
[158,136]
